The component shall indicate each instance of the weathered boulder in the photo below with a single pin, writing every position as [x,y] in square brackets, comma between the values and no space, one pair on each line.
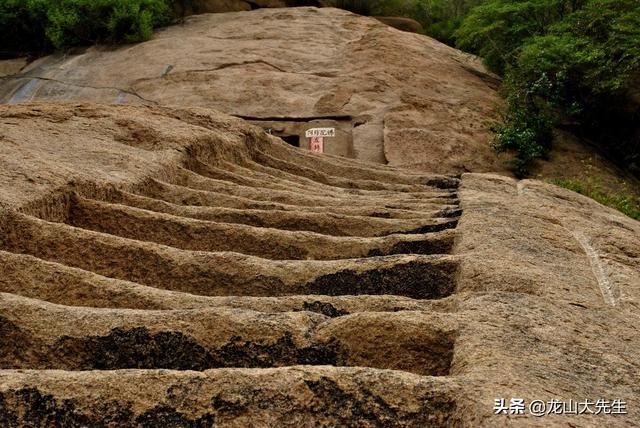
[12,66]
[402,23]
[393,97]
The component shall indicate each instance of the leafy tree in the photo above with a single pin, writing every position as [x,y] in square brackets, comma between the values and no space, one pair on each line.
[497,29]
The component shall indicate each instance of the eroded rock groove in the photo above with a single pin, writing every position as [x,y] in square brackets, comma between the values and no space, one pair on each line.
[245,255]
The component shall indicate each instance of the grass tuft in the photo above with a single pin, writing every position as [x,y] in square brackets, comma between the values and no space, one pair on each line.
[626,203]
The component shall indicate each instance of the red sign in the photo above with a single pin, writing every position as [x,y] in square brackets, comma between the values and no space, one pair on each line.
[316,144]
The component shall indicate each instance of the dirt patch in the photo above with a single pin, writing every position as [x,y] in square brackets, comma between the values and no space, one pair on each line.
[138,348]
[419,281]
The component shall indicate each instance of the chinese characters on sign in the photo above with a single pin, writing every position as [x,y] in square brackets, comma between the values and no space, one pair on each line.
[518,406]
[321,132]
[316,138]
[316,144]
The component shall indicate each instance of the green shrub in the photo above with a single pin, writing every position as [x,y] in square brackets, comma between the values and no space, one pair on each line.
[526,128]
[36,26]
[567,63]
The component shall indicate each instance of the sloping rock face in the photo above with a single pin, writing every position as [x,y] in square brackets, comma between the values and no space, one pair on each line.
[179,267]
[393,97]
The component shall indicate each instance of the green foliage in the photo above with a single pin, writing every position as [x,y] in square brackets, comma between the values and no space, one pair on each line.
[567,63]
[21,26]
[623,202]
[361,7]
[527,126]
[440,18]
[40,25]
[498,29]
